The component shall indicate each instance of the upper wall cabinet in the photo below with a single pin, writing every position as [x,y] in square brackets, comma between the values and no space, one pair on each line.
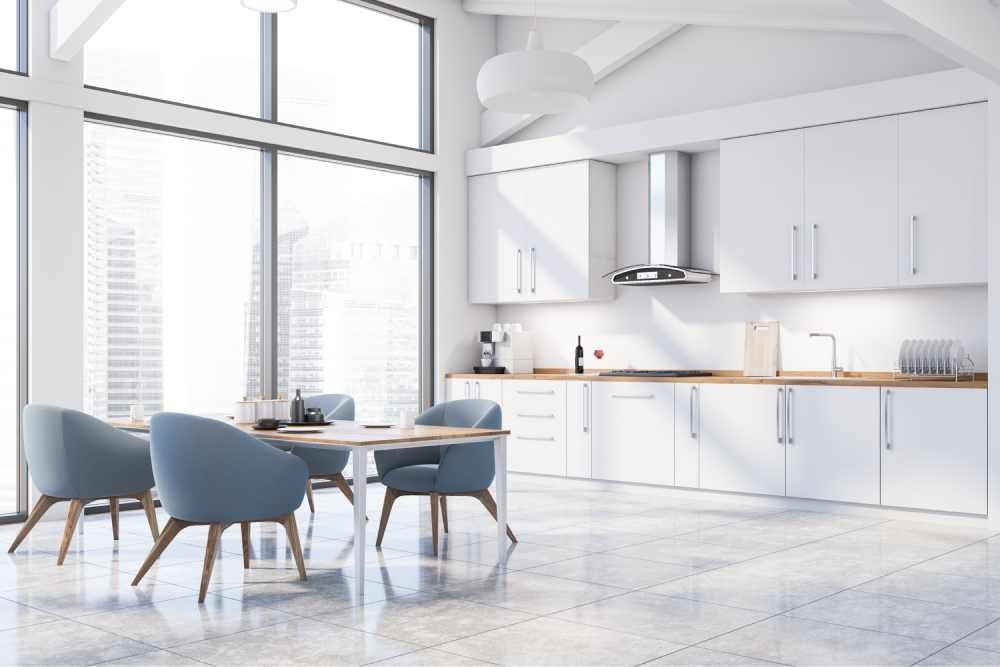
[542,235]
[942,196]
[898,201]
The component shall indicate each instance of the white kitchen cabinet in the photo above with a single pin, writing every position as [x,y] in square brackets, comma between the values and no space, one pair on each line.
[934,449]
[491,390]
[942,196]
[687,434]
[832,443]
[578,428]
[535,414]
[545,234]
[742,438]
[850,202]
[633,432]
[760,234]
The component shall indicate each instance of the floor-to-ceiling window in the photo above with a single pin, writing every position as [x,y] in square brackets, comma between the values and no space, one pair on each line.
[12,308]
[172,253]
[349,284]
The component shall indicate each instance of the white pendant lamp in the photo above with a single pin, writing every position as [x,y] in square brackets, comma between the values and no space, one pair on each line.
[270,6]
[535,80]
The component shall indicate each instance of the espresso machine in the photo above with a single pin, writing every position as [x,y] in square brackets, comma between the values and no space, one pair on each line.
[488,340]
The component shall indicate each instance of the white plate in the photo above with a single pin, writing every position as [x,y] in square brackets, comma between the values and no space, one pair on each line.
[299,429]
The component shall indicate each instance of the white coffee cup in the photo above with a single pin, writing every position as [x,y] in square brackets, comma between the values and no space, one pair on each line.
[406,419]
[135,412]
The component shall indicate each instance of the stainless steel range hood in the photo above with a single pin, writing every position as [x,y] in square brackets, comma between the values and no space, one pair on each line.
[669,227]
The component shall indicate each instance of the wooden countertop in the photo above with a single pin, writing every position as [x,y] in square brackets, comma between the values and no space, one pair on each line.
[847,379]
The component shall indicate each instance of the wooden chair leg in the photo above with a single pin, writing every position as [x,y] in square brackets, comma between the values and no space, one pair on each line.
[211,549]
[444,512]
[149,507]
[162,541]
[245,535]
[309,496]
[390,497]
[75,509]
[292,531]
[344,487]
[42,506]
[435,503]
[113,509]
[486,498]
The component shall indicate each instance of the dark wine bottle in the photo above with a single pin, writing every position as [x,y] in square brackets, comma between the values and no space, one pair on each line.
[579,356]
[297,409]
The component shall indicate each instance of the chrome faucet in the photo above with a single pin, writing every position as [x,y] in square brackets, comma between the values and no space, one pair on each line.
[833,361]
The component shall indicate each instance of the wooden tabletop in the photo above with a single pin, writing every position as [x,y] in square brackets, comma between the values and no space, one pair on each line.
[353,434]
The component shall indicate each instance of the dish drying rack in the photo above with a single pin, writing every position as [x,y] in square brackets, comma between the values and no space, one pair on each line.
[921,359]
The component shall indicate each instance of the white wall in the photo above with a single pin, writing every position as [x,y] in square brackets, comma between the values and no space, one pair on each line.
[695,326]
[704,67]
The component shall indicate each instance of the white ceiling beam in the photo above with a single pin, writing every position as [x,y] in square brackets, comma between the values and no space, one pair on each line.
[73,22]
[610,50]
[967,31]
[835,15]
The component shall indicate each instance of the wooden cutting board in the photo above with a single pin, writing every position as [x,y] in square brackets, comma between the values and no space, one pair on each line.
[761,349]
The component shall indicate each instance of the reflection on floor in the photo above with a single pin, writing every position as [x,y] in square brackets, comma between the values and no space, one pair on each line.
[603,575]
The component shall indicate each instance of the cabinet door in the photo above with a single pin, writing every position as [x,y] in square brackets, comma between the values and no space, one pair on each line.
[687,434]
[535,413]
[851,192]
[760,235]
[457,388]
[556,250]
[832,448]
[934,449]
[942,196]
[578,427]
[742,438]
[633,432]
[497,236]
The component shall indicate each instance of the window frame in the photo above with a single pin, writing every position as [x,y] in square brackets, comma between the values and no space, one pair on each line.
[269,83]
[21,108]
[21,64]
[268,231]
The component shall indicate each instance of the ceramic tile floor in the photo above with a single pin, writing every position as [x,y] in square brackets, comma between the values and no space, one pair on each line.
[603,575]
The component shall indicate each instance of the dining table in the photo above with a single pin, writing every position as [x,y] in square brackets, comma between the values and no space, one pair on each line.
[360,439]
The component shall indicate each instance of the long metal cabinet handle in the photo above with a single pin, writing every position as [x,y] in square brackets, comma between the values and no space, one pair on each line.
[692,397]
[640,396]
[546,392]
[815,231]
[528,415]
[586,408]
[533,264]
[795,234]
[777,415]
[526,437]
[789,423]
[885,419]
[913,245]
[468,389]
[479,390]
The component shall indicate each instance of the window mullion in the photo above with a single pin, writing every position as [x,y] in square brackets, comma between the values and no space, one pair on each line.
[269,211]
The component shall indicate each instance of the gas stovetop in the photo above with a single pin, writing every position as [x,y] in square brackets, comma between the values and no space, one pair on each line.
[654,374]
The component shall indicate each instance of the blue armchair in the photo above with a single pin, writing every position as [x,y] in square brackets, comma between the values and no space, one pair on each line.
[439,472]
[211,473]
[325,464]
[77,458]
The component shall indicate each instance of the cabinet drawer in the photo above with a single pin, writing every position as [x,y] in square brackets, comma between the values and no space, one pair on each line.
[534,397]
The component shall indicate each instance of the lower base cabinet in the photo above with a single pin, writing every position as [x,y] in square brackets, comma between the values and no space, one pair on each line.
[578,428]
[831,443]
[934,449]
[633,432]
[535,414]
[742,438]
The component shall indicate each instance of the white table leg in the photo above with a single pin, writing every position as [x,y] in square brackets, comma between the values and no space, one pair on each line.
[500,459]
[360,457]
